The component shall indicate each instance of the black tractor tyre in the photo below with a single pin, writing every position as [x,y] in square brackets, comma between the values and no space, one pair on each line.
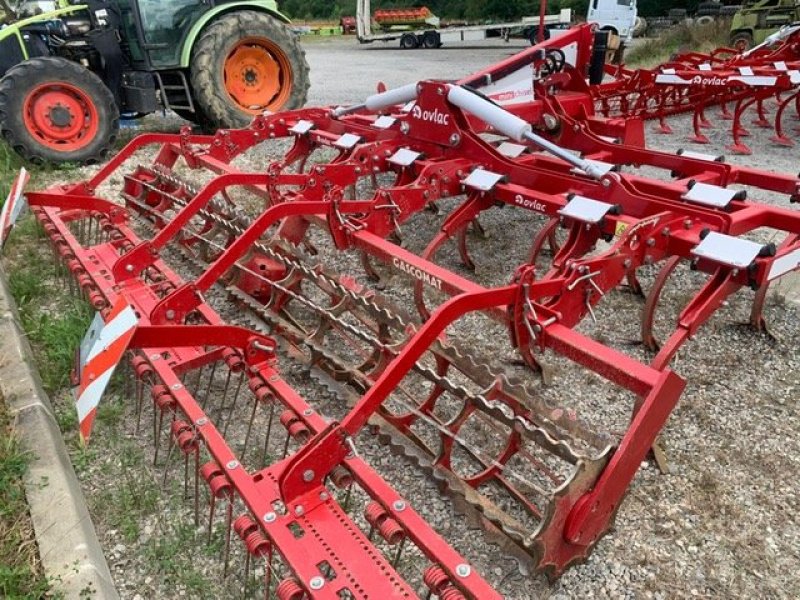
[39,99]
[214,48]
[197,118]
[742,41]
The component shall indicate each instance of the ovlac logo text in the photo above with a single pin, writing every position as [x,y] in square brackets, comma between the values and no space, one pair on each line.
[430,116]
[700,80]
[530,204]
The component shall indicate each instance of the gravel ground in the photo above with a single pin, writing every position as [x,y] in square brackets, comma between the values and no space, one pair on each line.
[723,523]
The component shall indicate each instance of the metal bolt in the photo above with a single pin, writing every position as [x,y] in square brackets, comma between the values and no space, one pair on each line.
[324,496]
[606,182]
[463,570]
[405,127]
[298,510]
[129,268]
[155,356]
[399,505]
[308,475]
[232,464]
[316,583]
[687,223]
[170,315]
[308,412]
[270,517]
[176,386]
[455,139]
[201,421]
[550,121]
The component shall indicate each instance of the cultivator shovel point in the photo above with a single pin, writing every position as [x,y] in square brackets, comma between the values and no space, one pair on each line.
[280,265]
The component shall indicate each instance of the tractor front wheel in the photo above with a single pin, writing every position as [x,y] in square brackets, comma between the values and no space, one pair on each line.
[245,63]
[53,110]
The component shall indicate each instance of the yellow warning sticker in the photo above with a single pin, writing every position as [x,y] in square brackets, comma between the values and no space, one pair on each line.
[621,227]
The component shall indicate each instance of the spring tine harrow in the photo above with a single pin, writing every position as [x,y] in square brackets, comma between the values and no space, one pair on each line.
[306,251]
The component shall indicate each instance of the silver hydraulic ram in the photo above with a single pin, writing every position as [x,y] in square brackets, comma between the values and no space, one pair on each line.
[488,112]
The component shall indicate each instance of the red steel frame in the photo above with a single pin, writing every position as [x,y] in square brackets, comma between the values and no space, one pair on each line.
[651,222]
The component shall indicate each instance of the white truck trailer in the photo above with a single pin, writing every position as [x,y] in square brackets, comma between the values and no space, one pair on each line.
[433,37]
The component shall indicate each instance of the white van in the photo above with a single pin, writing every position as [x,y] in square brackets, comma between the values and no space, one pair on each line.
[618,16]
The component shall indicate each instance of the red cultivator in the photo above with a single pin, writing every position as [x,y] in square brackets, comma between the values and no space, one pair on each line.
[295,248]
[695,82]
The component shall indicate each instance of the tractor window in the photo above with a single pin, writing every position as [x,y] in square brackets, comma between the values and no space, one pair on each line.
[165,26]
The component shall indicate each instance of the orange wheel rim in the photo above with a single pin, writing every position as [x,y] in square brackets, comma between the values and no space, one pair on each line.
[258,75]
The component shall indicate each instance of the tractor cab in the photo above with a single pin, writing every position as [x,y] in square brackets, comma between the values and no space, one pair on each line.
[215,63]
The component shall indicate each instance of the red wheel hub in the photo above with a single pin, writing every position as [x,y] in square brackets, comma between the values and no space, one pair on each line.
[60,116]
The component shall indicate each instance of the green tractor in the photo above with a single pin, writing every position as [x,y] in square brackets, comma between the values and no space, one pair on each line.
[757,19]
[70,71]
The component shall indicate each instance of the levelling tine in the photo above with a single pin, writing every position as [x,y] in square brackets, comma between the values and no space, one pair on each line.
[233,403]
[268,434]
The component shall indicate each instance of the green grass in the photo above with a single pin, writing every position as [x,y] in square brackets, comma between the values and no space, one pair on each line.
[20,573]
[54,321]
[124,507]
[681,38]
[9,165]
[169,551]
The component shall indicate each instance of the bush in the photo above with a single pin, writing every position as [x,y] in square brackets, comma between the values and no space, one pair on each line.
[678,39]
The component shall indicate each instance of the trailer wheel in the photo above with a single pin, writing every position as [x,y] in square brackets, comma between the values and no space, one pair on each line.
[408,41]
[431,40]
[742,41]
[244,63]
[535,39]
[53,110]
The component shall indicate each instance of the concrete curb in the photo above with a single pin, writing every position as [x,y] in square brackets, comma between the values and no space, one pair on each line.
[68,546]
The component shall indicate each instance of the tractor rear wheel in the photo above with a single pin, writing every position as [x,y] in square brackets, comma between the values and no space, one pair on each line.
[53,110]
[244,63]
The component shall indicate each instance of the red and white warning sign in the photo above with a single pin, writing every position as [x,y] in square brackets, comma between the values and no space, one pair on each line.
[14,205]
[99,354]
